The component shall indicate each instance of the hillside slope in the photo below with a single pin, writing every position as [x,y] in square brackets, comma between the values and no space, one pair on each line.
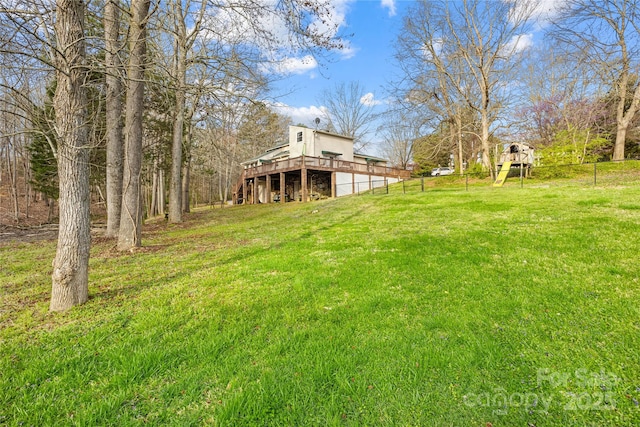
[510,307]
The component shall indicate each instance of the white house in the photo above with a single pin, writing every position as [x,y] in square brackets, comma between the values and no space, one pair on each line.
[312,164]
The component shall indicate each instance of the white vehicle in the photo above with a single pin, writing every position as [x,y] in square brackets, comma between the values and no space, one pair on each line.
[442,171]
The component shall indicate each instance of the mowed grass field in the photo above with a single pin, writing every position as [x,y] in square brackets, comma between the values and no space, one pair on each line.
[493,307]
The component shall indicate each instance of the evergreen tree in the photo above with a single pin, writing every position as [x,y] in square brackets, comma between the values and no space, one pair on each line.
[44,167]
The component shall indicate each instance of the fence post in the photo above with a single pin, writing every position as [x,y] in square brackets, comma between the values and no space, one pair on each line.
[466,182]
[521,180]
[595,174]
[386,183]
[422,182]
[403,190]
[358,187]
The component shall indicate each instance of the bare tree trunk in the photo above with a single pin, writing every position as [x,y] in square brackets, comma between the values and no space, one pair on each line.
[452,138]
[621,138]
[186,169]
[50,208]
[114,134]
[12,145]
[227,180]
[186,178]
[130,232]
[12,168]
[458,121]
[486,159]
[220,187]
[153,208]
[27,181]
[624,116]
[175,190]
[161,193]
[2,149]
[71,264]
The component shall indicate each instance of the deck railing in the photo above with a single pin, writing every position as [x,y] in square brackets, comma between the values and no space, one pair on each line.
[323,163]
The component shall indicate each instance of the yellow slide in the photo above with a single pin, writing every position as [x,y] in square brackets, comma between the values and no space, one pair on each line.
[502,176]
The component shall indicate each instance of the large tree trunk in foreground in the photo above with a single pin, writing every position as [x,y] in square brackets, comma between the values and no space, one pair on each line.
[70,267]
[130,233]
[180,71]
[114,116]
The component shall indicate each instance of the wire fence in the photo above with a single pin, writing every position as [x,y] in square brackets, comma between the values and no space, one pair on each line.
[618,173]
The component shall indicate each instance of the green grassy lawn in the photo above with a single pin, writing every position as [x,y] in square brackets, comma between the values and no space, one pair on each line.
[446,307]
[602,173]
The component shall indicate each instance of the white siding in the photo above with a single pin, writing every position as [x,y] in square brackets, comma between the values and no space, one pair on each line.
[333,144]
[362,183]
[377,181]
[314,143]
[298,148]
[343,184]
[346,185]
[358,159]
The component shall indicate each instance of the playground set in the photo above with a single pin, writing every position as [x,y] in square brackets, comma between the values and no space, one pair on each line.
[514,157]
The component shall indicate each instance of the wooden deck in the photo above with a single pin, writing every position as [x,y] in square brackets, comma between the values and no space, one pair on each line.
[324,164]
[303,165]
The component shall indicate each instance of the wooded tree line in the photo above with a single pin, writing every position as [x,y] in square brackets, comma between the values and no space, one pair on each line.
[473,77]
[123,95]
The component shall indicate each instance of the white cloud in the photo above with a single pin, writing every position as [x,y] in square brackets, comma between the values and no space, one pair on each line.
[541,11]
[369,100]
[519,44]
[348,52]
[336,18]
[546,10]
[284,61]
[391,5]
[279,47]
[332,24]
[294,65]
[303,115]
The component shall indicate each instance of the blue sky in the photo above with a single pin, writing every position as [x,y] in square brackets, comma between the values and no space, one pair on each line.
[374,26]
[368,58]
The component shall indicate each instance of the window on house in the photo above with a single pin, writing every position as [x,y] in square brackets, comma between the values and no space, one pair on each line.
[299,137]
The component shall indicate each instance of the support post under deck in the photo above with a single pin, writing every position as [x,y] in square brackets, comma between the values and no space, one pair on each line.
[303,179]
[268,189]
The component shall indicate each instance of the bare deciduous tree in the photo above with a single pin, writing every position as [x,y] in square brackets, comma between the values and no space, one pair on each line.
[130,231]
[399,134]
[70,266]
[259,33]
[560,99]
[479,42]
[114,134]
[350,109]
[437,82]
[605,37]
[187,23]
